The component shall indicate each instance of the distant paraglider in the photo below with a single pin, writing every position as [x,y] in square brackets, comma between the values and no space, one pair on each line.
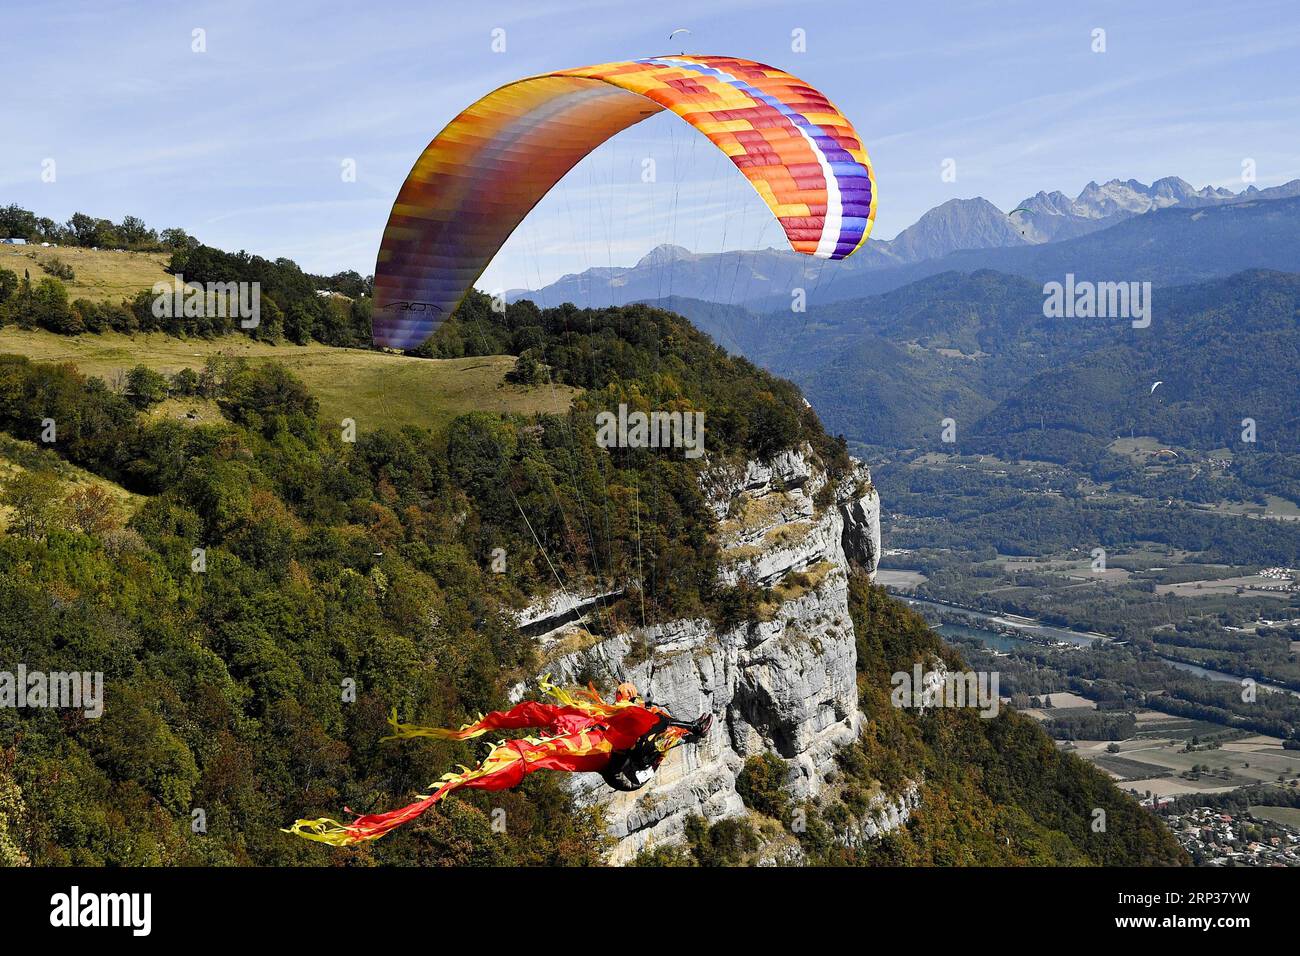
[481,175]
[1016,210]
[1154,387]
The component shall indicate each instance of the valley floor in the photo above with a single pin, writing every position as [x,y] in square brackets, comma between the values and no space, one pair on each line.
[1167,658]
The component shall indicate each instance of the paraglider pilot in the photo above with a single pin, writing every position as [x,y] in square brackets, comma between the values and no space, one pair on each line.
[624,741]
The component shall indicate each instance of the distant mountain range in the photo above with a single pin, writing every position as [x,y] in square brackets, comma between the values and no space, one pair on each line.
[1170,246]
[963,234]
[947,320]
[1167,247]
[886,370]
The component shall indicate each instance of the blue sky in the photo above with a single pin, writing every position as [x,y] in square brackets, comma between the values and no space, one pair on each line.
[243,144]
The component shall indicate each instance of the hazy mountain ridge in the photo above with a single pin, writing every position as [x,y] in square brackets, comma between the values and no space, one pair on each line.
[956,224]
[887,369]
[1222,350]
[940,240]
[1176,245]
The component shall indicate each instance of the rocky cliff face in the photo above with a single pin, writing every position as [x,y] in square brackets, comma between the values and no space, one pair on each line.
[786,683]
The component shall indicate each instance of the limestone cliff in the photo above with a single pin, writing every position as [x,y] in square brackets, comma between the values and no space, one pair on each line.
[784,683]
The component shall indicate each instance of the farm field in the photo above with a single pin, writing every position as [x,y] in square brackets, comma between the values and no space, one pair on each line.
[1250,584]
[1288,816]
[1154,759]
[901,579]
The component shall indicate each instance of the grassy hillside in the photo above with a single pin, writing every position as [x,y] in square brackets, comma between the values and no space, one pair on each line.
[17,456]
[376,389]
[102,275]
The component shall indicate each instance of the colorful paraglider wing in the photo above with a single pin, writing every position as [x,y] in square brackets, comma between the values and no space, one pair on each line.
[477,180]
[797,150]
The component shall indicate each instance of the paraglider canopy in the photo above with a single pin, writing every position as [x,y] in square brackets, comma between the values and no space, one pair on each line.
[483,173]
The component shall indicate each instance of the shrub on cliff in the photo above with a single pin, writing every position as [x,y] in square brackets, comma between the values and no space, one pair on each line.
[760,785]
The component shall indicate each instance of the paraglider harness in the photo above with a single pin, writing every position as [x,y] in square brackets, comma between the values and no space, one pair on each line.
[632,769]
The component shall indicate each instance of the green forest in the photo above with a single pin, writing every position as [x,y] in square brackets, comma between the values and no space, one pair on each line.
[327,562]
[282,588]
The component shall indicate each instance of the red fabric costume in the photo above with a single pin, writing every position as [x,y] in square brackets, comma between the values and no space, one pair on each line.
[580,733]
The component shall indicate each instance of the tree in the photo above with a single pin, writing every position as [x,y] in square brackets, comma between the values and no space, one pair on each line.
[299,323]
[262,394]
[32,496]
[13,813]
[186,382]
[59,269]
[17,222]
[773,426]
[527,371]
[84,229]
[177,239]
[760,785]
[134,232]
[50,309]
[145,387]
[91,510]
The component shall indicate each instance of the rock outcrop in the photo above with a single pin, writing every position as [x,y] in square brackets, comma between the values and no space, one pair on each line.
[884,814]
[784,683]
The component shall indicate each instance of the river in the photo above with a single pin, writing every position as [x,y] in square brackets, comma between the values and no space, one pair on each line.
[1034,632]
[1005,642]
[1220,676]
